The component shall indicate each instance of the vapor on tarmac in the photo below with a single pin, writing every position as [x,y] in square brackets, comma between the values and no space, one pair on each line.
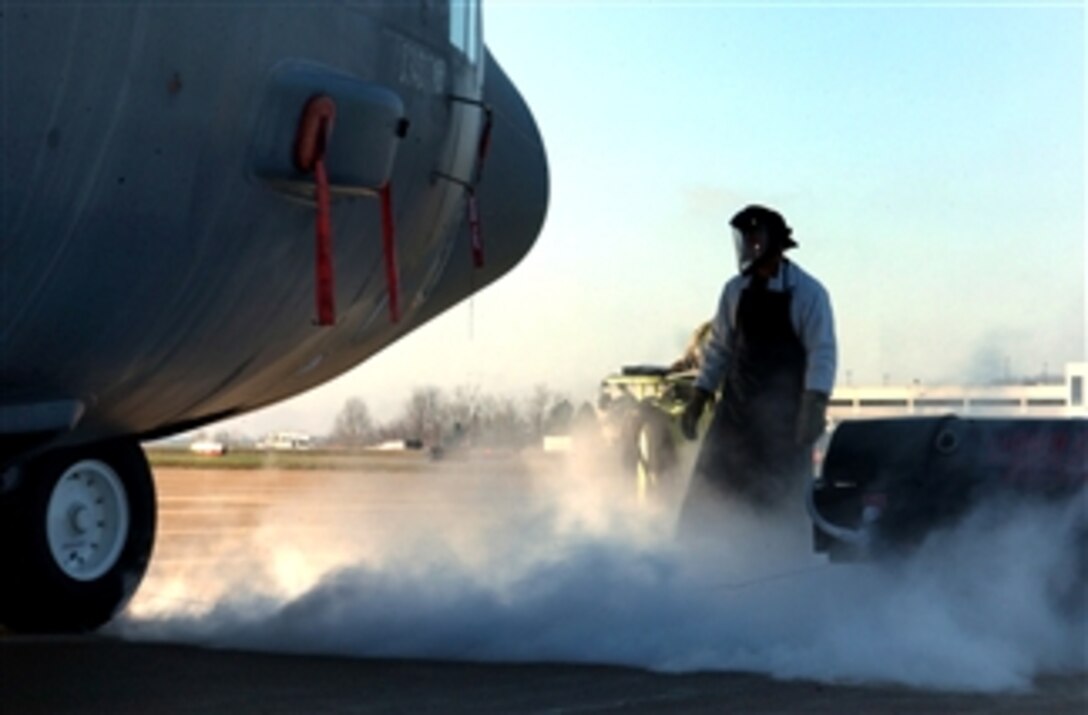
[561,564]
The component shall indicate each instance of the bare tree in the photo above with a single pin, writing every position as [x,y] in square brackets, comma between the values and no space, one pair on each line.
[462,413]
[353,426]
[560,417]
[424,413]
[539,407]
[499,423]
[465,405]
[481,419]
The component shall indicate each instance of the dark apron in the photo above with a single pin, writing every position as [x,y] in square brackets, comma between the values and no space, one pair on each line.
[749,452]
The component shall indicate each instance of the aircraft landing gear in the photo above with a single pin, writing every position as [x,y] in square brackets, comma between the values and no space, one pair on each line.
[76,528]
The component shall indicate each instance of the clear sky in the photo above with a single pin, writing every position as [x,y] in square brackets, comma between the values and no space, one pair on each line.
[929,156]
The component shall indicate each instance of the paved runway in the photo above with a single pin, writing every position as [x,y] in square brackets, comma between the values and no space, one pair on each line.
[94,675]
[216,525]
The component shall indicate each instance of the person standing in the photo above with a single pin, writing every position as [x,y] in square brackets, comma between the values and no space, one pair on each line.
[772,352]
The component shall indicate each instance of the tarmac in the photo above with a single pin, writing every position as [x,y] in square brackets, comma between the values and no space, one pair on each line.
[102,675]
[200,510]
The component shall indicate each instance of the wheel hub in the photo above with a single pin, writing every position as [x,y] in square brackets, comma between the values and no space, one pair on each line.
[87,520]
[81,519]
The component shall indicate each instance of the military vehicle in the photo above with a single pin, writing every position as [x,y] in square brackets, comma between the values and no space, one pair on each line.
[639,411]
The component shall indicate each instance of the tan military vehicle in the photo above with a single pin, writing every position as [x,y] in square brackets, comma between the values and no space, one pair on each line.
[639,411]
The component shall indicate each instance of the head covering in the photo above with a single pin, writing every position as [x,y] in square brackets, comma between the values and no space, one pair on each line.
[754,217]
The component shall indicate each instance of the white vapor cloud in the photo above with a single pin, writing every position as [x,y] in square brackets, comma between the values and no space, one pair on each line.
[564,566]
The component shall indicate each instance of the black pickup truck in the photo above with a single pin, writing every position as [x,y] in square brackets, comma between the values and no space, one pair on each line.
[887,484]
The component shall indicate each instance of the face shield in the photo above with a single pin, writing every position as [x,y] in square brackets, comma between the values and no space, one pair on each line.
[751,245]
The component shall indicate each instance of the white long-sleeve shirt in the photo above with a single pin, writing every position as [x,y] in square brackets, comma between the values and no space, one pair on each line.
[810,314]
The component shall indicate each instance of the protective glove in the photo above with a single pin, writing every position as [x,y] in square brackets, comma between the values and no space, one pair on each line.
[689,421]
[812,418]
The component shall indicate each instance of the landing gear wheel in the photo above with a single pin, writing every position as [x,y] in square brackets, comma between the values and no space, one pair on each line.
[77,530]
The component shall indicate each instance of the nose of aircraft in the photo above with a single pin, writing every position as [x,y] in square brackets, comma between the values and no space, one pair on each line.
[512,199]
[513,195]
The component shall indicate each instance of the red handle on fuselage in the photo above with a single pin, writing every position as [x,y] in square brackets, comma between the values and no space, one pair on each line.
[389,252]
[311,142]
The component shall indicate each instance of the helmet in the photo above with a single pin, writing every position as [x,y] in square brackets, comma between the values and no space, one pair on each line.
[757,232]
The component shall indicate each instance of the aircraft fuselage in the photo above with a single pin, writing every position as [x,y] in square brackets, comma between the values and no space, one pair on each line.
[158,246]
[187,188]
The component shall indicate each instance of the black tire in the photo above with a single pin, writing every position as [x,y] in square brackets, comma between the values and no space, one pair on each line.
[40,593]
[1068,586]
[656,465]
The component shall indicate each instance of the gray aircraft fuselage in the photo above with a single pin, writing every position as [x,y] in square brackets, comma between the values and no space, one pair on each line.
[157,260]
[208,207]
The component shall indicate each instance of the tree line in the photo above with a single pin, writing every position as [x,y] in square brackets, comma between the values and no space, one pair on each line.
[432,416]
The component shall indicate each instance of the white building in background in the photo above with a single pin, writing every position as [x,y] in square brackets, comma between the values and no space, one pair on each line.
[1055,397]
[286,441]
[208,448]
